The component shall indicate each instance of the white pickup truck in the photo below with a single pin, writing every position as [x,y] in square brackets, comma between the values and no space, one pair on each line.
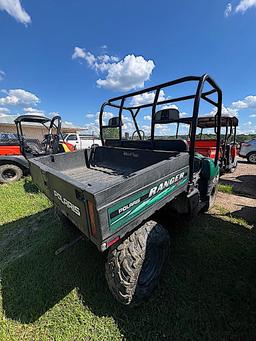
[81,141]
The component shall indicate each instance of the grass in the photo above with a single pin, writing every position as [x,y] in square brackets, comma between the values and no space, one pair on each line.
[225,188]
[207,292]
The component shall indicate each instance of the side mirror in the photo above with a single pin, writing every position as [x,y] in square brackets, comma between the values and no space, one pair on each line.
[166,116]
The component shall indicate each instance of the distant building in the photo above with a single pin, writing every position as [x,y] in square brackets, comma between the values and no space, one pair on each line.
[31,130]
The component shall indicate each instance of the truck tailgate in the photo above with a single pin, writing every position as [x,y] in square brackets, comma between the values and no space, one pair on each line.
[65,195]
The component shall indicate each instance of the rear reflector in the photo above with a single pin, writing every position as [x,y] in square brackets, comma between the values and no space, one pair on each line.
[113,241]
[92,219]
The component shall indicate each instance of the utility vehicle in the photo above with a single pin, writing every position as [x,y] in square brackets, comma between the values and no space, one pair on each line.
[111,192]
[49,145]
[16,149]
[207,146]
[228,146]
[12,163]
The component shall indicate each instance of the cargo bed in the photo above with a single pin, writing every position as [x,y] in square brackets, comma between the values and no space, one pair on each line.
[107,177]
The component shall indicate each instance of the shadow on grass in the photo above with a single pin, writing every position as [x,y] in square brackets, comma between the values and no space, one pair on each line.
[248,213]
[30,187]
[208,290]
[244,185]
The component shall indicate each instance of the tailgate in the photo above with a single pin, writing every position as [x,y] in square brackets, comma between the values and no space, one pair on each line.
[64,194]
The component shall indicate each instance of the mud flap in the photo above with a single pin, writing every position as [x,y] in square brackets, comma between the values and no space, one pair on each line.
[194,203]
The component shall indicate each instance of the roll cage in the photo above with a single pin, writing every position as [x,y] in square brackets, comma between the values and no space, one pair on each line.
[230,124]
[200,81]
[51,141]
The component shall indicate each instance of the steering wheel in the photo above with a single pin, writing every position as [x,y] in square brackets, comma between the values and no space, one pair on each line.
[51,140]
[140,131]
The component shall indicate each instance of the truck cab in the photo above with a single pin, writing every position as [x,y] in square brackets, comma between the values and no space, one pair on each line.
[82,141]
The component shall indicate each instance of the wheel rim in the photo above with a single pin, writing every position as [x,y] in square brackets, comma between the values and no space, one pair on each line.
[252,158]
[8,174]
[151,266]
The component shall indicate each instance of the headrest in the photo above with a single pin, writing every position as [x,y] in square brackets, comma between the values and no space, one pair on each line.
[114,122]
[167,116]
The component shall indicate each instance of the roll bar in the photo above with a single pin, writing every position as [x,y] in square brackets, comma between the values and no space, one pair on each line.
[200,81]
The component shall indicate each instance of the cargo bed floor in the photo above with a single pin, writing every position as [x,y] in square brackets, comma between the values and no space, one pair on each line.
[97,174]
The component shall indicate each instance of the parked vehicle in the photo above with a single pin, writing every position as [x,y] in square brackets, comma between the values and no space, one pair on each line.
[82,141]
[7,137]
[248,150]
[111,192]
[13,165]
[228,147]
[51,143]
[15,149]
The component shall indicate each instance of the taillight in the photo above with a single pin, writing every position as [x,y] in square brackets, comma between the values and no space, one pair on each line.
[92,219]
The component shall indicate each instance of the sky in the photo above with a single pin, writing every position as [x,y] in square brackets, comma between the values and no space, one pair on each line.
[71,56]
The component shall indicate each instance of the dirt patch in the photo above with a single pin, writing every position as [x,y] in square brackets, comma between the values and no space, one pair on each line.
[236,206]
[243,180]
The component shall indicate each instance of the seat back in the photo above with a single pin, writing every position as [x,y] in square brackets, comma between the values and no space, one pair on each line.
[168,145]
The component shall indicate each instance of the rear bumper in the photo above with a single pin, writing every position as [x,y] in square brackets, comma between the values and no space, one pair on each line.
[242,153]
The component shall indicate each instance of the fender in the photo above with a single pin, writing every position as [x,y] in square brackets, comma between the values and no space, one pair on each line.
[17,159]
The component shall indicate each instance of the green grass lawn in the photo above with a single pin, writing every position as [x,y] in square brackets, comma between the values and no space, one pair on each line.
[208,291]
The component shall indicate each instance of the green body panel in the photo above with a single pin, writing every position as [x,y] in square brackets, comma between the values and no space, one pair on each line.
[128,208]
[209,170]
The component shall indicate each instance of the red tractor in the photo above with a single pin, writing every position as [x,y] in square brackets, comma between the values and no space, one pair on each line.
[15,150]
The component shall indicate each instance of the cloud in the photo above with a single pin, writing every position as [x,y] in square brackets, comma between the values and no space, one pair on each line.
[247,128]
[104,47]
[82,54]
[106,116]
[89,115]
[170,106]
[4,111]
[247,102]
[228,10]
[147,98]
[147,118]
[129,73]
[244,5]
[18,96]
[226,111]
[2,73]
[92,128]
[98,63]
[15,9]
[33,111]
[252,115]
[147,129]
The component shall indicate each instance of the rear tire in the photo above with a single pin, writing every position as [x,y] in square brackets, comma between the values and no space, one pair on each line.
[251,158]
[10,173]
[133,267]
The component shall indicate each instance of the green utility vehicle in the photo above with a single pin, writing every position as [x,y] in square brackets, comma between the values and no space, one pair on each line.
[111,192]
